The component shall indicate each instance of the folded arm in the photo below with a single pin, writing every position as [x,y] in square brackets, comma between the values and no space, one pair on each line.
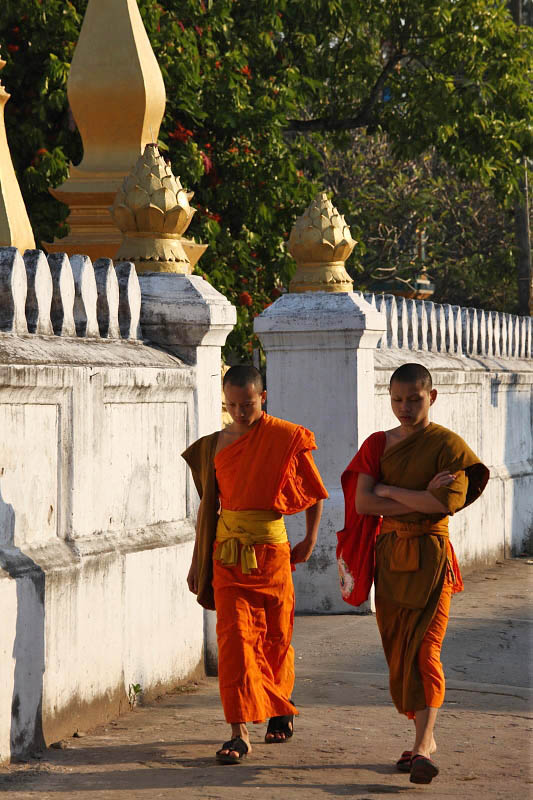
[368,502]
[422,501]
[379,499]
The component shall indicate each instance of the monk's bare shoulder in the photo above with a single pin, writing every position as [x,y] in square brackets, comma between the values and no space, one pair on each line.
[226,437]
[393,436]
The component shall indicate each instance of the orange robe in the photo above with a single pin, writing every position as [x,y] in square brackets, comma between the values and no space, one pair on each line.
[270,468]
[416,568]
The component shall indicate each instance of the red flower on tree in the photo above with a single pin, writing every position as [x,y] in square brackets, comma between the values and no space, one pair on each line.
[180,133]
[247,71]
[245,299]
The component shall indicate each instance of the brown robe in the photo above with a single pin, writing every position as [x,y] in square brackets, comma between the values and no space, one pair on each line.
[413,552]
[200,457]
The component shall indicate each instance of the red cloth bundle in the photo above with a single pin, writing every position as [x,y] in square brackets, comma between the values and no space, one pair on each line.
[356,541]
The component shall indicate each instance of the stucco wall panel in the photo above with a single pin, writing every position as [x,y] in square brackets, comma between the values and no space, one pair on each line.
[159,607]
[29,472]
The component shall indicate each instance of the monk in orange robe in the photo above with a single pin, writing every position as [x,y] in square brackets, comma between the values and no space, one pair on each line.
[248,476]
[427,473]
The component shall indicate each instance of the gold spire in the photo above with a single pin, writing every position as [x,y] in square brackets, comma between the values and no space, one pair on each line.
[117,95]
[15,228]
[320,242]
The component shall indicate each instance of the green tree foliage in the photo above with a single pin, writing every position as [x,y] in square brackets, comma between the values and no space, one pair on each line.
[468,238]
[256,91]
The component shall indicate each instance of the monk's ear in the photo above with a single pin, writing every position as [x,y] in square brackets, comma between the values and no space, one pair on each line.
[263,397]
[432,396]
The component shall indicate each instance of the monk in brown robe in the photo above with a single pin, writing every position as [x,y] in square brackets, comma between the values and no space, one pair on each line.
[428,473]
[248,476]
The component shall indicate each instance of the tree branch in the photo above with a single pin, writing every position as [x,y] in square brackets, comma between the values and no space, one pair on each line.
[363,117]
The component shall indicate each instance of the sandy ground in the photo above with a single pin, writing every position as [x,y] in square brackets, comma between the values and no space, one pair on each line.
[348,735]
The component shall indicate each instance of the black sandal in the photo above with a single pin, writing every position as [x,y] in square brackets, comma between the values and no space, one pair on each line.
[236,744]
[423,770]
[283,724]
[404,762]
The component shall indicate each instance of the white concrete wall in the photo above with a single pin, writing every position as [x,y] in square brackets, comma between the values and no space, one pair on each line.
[95,515]
[96,505]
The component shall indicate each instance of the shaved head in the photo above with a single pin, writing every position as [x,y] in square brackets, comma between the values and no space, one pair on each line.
[413,373]
[242,375]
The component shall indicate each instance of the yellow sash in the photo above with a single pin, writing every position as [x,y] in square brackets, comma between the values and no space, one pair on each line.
[247,528]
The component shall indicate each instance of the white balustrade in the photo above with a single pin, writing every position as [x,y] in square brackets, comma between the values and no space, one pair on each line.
[392,320]
[86,296]
[108,298]
[68,296]
[13,288]
[129,308]
[443,328]
[412,316]
[40,290]
[403,340]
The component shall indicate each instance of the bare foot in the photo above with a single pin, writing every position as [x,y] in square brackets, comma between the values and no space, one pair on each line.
[427,753]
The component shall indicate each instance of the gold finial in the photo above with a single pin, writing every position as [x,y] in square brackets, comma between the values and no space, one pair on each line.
[153,212]
[15,228]
[320,242]
[117,96]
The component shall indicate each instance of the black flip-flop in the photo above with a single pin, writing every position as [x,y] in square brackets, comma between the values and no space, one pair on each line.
[423,769]
[236,744]
[404,762]
[283,724]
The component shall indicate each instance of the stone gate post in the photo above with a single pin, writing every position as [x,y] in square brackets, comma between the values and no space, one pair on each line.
[319,349]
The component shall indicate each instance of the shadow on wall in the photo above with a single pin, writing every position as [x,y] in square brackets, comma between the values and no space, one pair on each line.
[28,649]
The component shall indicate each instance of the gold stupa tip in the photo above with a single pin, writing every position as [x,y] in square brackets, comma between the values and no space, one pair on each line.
[320,242]
[151,199]
[321,234]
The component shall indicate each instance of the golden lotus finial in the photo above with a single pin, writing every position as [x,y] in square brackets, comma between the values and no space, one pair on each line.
[320,242]
[153,212]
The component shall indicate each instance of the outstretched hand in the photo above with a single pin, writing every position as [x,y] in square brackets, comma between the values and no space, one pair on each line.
[441,479]
[301,551]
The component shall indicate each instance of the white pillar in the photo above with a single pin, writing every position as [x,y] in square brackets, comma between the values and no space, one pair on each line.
[191,319]
[320,373]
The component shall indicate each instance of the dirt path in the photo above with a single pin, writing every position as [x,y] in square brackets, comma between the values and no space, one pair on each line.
[348,734]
